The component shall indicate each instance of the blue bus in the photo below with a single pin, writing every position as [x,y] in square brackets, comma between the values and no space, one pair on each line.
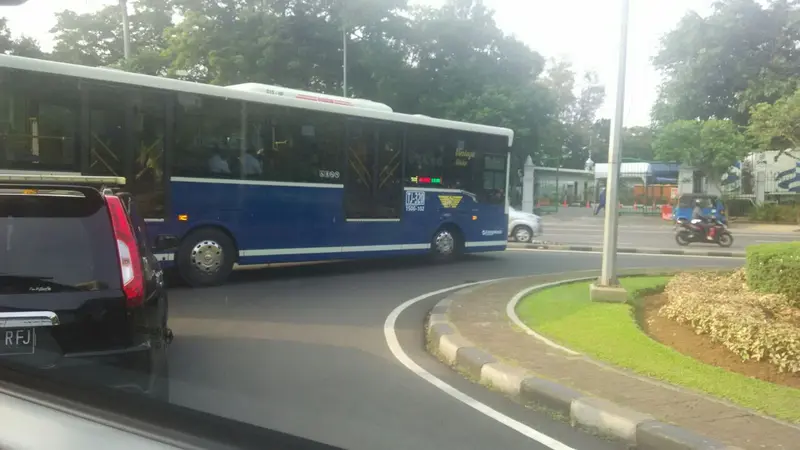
[254,174]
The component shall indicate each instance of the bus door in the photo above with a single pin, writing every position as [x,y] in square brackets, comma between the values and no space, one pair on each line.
[373,182]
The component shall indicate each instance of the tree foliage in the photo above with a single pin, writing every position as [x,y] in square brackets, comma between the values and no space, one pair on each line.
[23,46]
[575,130]
[717,67]
[710,146]
[95,39]
[777,126]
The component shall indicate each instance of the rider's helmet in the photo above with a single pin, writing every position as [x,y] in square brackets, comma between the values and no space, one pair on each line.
[697,202]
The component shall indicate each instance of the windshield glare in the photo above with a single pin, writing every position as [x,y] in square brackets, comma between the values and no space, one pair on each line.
[400,225]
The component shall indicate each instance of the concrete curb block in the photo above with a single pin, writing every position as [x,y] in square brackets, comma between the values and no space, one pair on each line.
[637,429]
[645,251]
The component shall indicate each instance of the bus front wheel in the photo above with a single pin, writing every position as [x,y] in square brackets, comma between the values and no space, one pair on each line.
[206,257]
[446,244]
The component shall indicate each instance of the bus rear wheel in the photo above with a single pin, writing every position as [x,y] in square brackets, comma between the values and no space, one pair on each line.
[446,244]
[206,257]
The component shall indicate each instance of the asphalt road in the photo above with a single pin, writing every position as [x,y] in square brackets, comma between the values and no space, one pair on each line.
[642,234]
[302,350]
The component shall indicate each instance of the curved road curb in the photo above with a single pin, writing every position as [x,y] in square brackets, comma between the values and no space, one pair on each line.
[647,251]
[640,430]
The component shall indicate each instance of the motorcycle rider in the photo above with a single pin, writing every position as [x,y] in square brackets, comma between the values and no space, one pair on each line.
[700,220]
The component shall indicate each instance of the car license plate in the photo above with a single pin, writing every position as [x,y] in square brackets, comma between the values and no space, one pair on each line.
[17,341]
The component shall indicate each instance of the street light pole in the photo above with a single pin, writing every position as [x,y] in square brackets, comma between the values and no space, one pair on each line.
[126,38]
[344,61]
[558,171]
[608,276]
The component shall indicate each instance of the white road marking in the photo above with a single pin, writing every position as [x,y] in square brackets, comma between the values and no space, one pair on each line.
[394,346]
[659,229]
[582,239]
[621,254]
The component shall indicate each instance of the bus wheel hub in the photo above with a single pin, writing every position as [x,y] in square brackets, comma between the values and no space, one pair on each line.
[445,243]
[207,256]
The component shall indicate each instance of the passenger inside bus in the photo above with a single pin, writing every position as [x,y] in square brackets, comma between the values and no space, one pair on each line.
[251,165]
[218,165]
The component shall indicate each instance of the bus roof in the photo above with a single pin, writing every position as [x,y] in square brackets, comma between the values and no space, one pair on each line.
[154,82]
[310,96]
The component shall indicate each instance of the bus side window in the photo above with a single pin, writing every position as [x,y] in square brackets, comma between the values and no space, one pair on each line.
[207,137]
[424,157]
[108,134]
[147,182]
[296,145]
[478,165]
[39,121]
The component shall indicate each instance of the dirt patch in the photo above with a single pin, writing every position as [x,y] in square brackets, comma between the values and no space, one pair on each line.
[700,347]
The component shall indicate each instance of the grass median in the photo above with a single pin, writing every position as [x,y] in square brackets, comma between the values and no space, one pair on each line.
[610,333]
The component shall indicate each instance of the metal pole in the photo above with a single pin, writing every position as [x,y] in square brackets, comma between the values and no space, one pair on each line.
[558,171]
[608,274]
[344,62]
[126,38]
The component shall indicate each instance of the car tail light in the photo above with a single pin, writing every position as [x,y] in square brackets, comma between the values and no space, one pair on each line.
[130,262]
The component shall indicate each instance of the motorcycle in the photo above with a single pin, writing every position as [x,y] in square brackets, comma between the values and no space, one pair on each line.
[686,232]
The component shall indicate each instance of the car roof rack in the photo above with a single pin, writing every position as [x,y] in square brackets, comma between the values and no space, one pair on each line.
[46,178]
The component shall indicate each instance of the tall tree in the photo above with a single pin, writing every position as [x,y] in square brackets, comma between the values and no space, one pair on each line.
[710,146]
[95,39]
[718,66]
[574,138]
[637,143]
[775,126]
[22,46]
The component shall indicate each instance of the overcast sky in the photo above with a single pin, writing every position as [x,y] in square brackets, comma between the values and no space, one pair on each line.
[585,32]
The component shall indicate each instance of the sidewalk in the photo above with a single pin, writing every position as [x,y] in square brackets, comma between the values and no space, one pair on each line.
[478,315]
[580,216]
[765,227]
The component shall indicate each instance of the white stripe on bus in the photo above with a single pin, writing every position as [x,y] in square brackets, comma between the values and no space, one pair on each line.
[345,249]
[485,243]
[296,184]
[254,182]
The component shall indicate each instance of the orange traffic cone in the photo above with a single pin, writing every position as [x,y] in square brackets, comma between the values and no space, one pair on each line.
[565,203]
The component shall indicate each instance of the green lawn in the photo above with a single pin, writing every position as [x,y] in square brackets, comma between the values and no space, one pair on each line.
[610,333]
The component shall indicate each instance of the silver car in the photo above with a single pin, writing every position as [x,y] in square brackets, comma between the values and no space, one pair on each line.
[522,226]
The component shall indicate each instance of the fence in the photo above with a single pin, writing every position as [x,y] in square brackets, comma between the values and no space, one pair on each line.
[644,192]
[549,192]
[742,192]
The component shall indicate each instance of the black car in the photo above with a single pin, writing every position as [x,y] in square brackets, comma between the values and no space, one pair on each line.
[81,294]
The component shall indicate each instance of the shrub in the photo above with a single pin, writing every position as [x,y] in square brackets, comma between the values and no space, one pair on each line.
[773,213]
[775,269]
[755,326]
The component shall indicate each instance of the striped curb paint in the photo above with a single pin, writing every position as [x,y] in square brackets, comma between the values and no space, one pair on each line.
[642,431]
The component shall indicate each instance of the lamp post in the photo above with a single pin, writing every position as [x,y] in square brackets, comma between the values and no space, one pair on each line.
[344,61]
[126,38]
[607,287]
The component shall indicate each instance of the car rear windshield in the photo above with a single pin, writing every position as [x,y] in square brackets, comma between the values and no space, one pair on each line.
[64,238]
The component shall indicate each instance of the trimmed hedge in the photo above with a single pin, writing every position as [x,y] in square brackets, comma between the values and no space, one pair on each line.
[755,326]
[775,269]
